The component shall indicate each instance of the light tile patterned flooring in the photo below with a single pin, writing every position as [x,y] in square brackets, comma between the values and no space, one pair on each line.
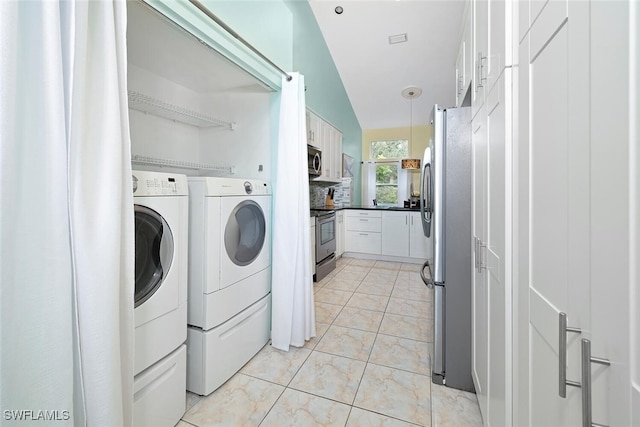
[368,366]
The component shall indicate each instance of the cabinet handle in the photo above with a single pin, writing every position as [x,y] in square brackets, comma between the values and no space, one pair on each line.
[364,234]
[479,71]
[562,354]
[362,219]
[478,254]
[587,360]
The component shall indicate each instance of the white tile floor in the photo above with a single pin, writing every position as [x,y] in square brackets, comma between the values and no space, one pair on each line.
[368,366]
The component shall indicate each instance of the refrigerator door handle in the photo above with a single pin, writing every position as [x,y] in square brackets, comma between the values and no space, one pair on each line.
[426,199]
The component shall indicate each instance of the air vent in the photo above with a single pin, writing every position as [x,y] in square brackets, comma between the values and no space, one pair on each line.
[399,38]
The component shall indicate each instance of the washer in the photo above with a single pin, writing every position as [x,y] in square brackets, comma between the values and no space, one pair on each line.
[161,243]
[229,277]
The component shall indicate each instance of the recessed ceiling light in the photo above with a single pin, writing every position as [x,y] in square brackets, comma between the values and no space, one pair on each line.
[398,38]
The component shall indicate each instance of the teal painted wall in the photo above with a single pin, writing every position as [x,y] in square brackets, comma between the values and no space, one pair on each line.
[325,94]
[267,25]
[287,33]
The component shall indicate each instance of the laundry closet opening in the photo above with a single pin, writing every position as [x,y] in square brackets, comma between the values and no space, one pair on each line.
[191,110]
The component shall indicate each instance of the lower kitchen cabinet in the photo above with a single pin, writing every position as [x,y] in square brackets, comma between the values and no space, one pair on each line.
[390,233]
[395,234]
[419,245]
[363,231]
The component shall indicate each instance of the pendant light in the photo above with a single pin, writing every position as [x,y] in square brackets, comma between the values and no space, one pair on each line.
[411,92]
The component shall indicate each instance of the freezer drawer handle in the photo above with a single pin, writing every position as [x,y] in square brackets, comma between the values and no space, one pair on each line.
[587,360]
[562,354]
[427,281]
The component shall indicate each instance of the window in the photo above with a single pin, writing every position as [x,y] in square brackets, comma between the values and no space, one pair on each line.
[395,149]
[383,178]
[387,183]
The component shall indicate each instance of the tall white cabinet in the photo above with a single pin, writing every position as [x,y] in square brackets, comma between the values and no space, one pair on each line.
[491,159]
[555,212]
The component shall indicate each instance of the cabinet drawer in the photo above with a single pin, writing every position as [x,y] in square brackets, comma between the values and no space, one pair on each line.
[355,213]
[364,224]
[362,242]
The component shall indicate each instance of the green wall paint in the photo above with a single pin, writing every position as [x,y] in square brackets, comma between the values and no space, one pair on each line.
[267,25]
[325,94]
[286,32]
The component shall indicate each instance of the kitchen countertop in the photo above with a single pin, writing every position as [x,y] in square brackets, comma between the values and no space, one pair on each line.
[339,207]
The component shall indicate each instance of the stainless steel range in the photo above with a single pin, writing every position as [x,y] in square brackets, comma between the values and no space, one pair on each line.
[325,242]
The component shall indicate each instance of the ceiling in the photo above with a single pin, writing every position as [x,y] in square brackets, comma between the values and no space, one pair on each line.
[374,72]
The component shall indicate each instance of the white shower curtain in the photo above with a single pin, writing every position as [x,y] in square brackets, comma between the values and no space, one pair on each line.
[66,217]
[293,313]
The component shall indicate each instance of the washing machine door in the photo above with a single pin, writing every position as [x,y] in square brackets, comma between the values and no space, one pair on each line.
[245,232]
[154,252]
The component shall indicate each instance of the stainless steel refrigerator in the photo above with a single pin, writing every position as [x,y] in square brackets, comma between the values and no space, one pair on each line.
[445,205]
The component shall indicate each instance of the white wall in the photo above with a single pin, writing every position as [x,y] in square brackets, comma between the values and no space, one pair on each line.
[248,146]
[244,148]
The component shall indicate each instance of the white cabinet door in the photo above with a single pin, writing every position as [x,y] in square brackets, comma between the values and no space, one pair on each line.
[496,259]
[419,245]
[467,37]
[329,140]
[615,219]
[480,295]
[460,74]
[313,130]
[464,60]
[327,150]
[363,242]
[480,51]
[395,234]
[336,153]
[558,203]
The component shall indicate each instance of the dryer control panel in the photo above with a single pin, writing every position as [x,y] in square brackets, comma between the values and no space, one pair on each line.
[222,186]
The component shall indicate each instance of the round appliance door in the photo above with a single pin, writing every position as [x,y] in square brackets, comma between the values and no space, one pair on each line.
[154,252]
[244,234]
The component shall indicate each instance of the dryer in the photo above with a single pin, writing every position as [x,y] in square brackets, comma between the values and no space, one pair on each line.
[229,277]
[161,244]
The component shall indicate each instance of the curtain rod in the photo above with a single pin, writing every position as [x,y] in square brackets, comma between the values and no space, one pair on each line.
[218,21]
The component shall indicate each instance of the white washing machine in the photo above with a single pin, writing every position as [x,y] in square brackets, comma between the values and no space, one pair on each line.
[229,277]
[161,244]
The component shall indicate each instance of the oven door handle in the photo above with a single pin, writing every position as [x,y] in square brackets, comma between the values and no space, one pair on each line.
[326,218]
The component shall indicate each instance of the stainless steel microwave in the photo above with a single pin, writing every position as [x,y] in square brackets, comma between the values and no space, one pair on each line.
[314,158]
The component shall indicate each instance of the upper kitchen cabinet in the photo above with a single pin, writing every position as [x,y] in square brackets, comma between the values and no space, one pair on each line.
[314,130]
[328,139]
[464,61]
[491,46]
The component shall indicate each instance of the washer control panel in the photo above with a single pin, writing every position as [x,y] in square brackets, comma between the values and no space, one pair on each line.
[159,184]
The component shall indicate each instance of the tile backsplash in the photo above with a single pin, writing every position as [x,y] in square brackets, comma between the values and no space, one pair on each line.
[342,196]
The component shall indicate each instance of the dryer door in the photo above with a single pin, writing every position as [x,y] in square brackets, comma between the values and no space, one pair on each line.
[154,252]
[245,232]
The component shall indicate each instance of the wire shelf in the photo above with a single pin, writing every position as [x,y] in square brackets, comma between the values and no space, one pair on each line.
[143,160]
[147,104]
